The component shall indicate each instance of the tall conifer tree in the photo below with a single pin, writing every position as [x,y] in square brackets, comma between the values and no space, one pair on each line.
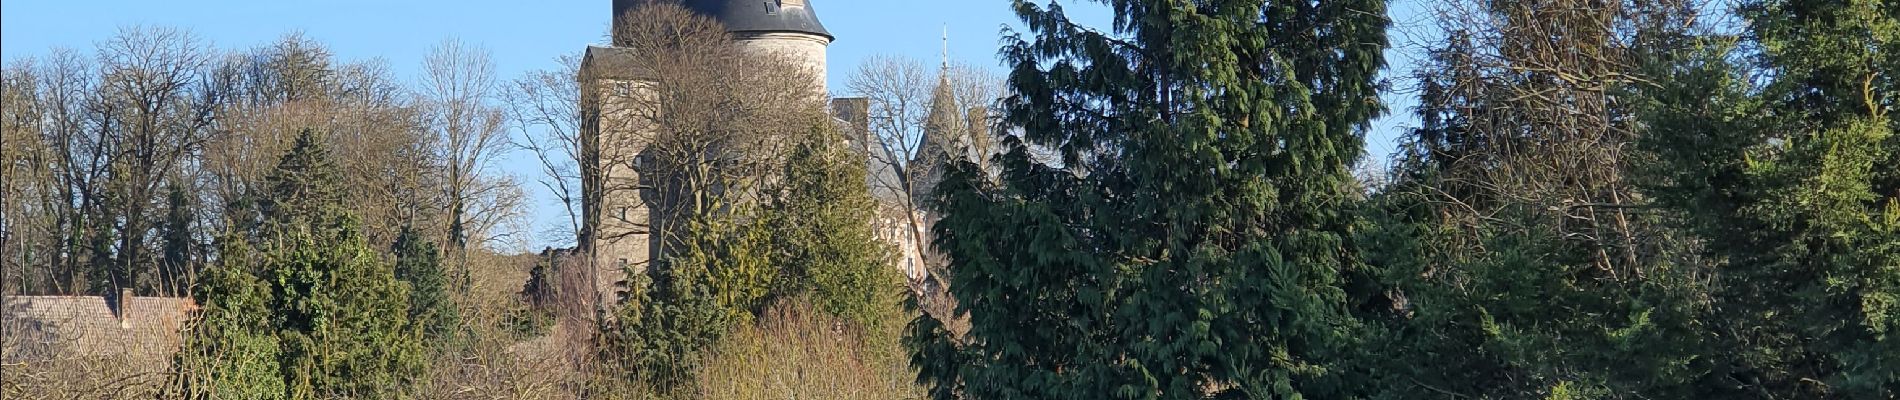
[419,263]
[177,265]
[1786,170]
[331,307]
[1189,239]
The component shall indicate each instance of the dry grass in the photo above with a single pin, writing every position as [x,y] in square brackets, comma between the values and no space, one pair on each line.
[791,352]
[102,378]
[490,361]
[795,352]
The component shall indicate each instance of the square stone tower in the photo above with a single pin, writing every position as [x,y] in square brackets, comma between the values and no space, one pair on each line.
[615,212]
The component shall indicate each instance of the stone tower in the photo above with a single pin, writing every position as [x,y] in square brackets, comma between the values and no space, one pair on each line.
[614,215]
[789,27]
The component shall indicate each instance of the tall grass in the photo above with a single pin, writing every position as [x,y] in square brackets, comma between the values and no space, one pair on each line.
[797,352]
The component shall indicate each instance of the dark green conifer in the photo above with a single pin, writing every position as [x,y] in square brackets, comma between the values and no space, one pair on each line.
[822,234]
[178,263]
[1190,239]
[1785,170]
[419,263]
[231,349]
[309,292]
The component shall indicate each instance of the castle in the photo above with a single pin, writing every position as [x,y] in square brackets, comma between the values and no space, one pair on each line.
[617,226]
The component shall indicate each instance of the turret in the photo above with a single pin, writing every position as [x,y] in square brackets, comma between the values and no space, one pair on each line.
[789,27]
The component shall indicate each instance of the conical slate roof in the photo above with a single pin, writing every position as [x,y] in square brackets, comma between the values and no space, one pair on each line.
[751,16]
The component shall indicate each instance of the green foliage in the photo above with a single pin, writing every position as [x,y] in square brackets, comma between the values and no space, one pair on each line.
[305,192]
[338,310]
[532,314]
[524,321]
[822,233]
[179,260]
[1523,313]
[808,238]
[1192,240]
[1514,259]
[419,263]
[541,290]
[1785,170]
[230,351]
[661,335]
[312,311]
[1766,264]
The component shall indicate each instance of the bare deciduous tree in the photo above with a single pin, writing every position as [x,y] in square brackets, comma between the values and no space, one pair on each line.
[19,146]
[46,115]
[470,132]
[154,103]
[545,107]
[1521,107]
[368,118]
[917,121]
[458,84]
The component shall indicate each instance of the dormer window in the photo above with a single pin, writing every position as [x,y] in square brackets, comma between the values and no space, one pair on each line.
[771,8]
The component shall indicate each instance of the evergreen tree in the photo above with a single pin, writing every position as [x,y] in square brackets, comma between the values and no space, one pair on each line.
[821,228]
[337,307]
[105,272]
[1518,258]
[304,191]
[1191,239]
[419,263]
[1784,169]
[311,293]
[661,334]
[340,318]
[178,263]
[231,350]
[809,238]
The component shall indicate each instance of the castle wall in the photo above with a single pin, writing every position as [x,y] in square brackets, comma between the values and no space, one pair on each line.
[621,237]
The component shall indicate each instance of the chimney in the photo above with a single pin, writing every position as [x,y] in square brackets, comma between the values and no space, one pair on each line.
[125,308]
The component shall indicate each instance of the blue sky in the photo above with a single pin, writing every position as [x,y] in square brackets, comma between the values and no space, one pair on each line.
[532,34]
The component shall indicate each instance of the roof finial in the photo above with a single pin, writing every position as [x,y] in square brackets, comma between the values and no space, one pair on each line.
[946,47]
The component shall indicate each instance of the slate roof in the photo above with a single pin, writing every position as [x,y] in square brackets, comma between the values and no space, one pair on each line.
[602,62]
[762,15]
[749,16]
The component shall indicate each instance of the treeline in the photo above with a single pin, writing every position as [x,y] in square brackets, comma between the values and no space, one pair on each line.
[1602,200]
[122,166]
[1622,200]
[340,230]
